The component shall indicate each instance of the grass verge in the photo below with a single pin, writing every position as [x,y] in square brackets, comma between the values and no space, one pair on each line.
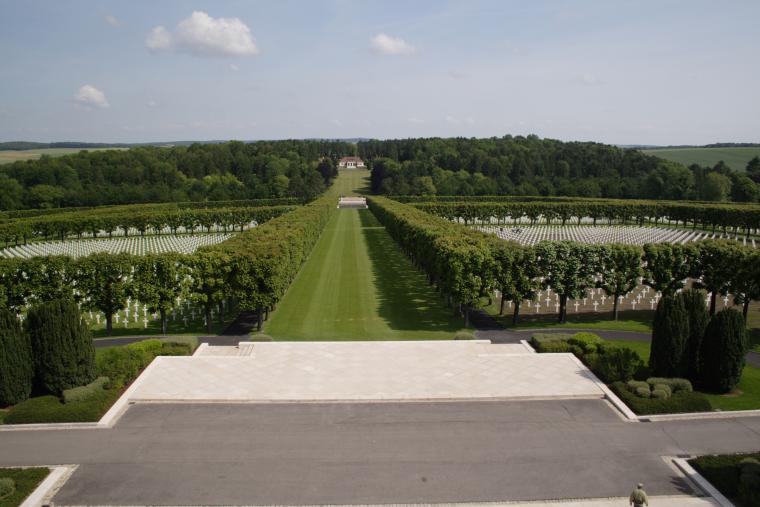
[629,320]
[26,479]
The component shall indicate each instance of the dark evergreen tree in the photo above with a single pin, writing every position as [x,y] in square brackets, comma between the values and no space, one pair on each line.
[670,333]
[694,304]
[723,351]
[61,346]
[16,368]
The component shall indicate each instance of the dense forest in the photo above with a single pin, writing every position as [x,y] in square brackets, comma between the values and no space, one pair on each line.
[199,172]
[533,166]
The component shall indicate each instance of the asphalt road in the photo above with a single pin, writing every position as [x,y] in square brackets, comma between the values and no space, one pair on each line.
[296,454]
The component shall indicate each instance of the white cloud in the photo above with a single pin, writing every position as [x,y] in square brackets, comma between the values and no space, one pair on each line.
[387,45]
[111,20]
[590,79]
[234,67]
[89,96]
[202,35]
[414,119]
[455,74]
[152,103]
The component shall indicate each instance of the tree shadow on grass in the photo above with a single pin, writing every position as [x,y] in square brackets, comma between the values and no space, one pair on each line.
[406,301]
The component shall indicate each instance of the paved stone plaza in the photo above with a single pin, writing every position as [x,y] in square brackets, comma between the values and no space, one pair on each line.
[363,371]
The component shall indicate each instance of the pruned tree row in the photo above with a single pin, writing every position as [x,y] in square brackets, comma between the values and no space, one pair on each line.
[138,218]
[562,211]
[467,265]
[254,268]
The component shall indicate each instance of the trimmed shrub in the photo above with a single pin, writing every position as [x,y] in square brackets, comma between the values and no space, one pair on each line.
[670,332]
[7,487]
[680,402]
[723,471]
[588,342]
[151,346]
[16,364]
[632,385]
[660,394]
[749,481]
[698,317]
[464,335]
[643,392]
[49,409]
[723,351]
[616,363]
[175,349]
[84,392]
[122,364]
[675,384]
[538,338]
[61,346]
[190,341]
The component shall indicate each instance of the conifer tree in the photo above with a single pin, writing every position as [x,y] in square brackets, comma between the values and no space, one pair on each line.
[16,368]
[694,304]
[670,333]
[61,346]
[723,351]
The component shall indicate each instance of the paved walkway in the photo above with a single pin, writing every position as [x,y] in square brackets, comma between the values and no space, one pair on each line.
[374,453]
[354,371]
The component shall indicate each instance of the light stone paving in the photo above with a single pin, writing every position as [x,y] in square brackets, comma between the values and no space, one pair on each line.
[366,371]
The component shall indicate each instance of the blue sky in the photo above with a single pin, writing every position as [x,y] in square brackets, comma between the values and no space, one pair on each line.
[660,72]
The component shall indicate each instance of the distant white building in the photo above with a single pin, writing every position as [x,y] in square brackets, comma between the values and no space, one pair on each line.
[351,162]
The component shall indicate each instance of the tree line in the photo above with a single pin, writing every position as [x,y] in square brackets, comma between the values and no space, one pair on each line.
[199,172]
[563,210]
[140,218]
[253,268]
[467,266]
[532,166]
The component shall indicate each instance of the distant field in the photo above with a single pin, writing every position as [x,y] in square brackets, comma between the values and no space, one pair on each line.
[6,157]
[736,158]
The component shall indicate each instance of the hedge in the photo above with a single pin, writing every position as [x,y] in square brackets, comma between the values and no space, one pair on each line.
[16,363]
[723,471]
[680,402]
[25,481]
[82,393]
[49,409]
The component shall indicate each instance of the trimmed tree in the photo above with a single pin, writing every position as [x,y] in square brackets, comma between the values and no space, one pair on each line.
[694,304]
[16,367]
[516,276]
[210,280]
[746,278]
[669,265]
[619,269]
[159,281]
[105,281]
[568,268]
[717,262]
[61,346]
[723,351]
[670,333]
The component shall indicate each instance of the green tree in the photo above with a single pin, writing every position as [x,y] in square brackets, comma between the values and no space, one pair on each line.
[668,265]
[670,333]
[61,346]
[210,280]
[745,278]
[694,304]
[619,270]
[105,281]
[10,193]
[723,351]
[159,281]
[753,169]
[717,263]
[16,366]
[568,268]
[516,277]
[717,187]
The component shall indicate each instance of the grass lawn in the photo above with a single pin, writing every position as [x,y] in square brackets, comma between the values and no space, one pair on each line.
[358,285]
[9,156]
[26,479]
[746,397]
[629,320]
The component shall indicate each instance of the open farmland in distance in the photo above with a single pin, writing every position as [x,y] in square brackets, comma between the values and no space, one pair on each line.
[736,158]
[10,156]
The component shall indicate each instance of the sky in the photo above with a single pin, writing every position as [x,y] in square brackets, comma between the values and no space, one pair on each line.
[623,72]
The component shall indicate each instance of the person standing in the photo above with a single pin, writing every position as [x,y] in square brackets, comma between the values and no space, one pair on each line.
[638,497]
